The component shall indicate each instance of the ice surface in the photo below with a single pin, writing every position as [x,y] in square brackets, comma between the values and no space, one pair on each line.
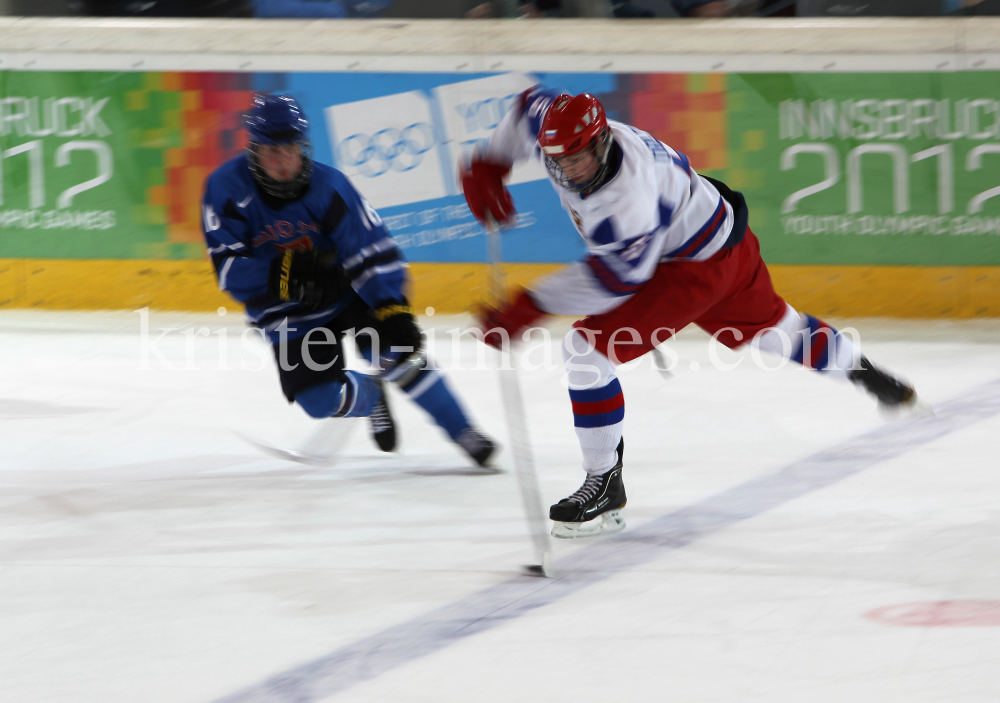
[149,554]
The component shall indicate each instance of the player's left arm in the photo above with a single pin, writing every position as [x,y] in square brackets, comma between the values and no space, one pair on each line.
[373,261]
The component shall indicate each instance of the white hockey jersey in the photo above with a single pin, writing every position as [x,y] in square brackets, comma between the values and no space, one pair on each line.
[654,209]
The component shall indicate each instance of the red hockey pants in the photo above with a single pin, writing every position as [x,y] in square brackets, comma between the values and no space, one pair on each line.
[730,290]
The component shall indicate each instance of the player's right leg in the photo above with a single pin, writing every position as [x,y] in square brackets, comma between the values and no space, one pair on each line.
[316,379]
[598,417]
[673,298]
[353,395]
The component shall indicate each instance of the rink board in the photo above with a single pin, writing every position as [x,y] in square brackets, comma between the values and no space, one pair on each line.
[848,291]
[871,193]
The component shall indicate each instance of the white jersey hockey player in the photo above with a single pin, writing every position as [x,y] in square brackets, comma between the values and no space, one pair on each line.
[666,248]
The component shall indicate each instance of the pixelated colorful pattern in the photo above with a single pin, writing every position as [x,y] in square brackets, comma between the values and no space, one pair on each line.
[202,129]
[686,111]
[210,120]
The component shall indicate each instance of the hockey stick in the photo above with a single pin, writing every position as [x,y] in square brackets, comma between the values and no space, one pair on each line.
[321,448]
[514,409]
[660,364]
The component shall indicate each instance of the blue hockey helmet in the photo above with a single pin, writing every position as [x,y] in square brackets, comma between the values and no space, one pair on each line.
[278,120]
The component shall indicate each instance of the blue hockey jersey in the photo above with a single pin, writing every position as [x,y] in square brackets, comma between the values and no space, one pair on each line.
[245,230]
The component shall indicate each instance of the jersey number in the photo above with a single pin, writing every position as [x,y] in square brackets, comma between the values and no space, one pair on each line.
[212,221]
[368,214]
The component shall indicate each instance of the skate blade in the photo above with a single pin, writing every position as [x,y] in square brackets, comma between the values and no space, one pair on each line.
[608,523]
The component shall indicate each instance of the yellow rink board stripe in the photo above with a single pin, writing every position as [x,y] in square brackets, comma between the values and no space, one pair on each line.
[842,291]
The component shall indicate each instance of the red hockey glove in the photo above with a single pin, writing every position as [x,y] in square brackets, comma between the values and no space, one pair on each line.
[514,319]
[485,192]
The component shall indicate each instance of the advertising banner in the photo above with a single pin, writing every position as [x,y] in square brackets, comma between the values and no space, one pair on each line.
[111,165]
[878,169]
[862,169]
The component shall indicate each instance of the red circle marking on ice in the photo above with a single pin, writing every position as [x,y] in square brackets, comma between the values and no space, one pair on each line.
[942,613]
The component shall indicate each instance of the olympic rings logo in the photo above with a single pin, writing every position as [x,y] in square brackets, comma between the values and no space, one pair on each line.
[387,149]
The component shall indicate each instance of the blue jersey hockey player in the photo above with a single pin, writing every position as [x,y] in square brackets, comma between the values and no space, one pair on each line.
[293,241]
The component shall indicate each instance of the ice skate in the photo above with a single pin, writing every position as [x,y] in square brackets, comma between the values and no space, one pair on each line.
[595,509]
[383,426]
[478,446]
[891,393]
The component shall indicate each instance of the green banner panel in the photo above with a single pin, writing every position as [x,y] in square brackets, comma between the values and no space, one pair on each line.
[78,160]
[890,169]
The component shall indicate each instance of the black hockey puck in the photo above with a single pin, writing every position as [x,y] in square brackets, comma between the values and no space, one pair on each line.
[534,570]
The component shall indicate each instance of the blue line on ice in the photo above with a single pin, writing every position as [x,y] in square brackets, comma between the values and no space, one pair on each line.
[372,656]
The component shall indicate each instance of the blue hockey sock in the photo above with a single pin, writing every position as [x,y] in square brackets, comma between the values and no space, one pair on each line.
[430,392]
[355,396]
[427,389]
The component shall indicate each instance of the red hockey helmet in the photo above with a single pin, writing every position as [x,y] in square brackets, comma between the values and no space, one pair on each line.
[576,126]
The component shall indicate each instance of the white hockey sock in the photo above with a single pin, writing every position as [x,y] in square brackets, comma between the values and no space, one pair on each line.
[811,342]
[598,403]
